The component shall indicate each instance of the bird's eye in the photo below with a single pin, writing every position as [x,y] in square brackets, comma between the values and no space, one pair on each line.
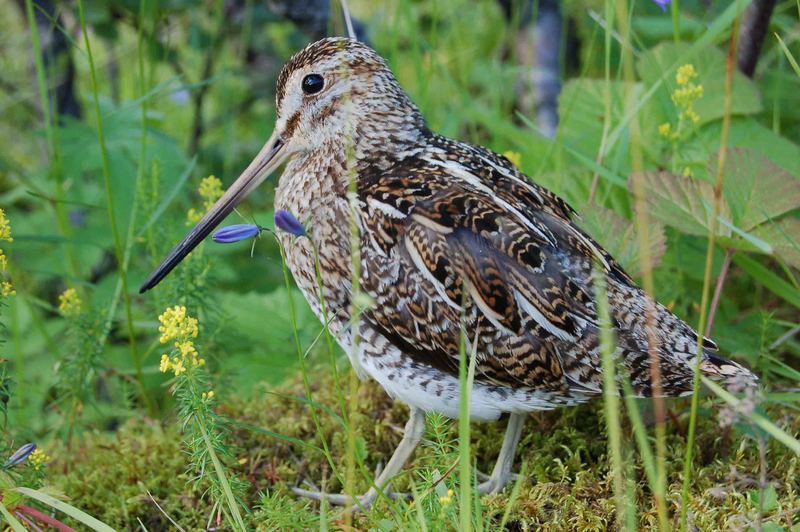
[313,83]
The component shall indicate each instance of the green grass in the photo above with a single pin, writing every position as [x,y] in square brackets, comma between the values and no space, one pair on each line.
[565,452]
[169,97]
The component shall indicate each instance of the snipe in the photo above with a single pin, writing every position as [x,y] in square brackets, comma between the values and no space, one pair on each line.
[449,233]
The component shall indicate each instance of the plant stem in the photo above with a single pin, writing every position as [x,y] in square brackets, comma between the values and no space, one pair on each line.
[726,264]
[301,358]
[676,19]
[721,157]
[611,407]
[51,132]
[112,218]
[327,332]
[466,376]
[646,264]
[233,506]
[44,518]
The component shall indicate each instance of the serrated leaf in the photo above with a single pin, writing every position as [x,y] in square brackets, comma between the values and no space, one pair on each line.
[755,188]
[768,498]
[682,203]
[618,236]
[784,237]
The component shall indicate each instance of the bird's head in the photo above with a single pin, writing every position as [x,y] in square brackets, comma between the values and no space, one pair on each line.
[334,93]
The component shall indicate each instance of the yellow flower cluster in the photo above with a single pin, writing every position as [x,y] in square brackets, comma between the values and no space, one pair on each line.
[683,97]
[38,458]
[207,396]
[210,190]
[687,92]
[6,289]
[177,325]
[447,499]
[514,156]
[5,227]
[69,304]
[685,74]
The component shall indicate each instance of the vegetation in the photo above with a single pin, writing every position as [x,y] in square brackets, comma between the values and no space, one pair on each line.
[201,403]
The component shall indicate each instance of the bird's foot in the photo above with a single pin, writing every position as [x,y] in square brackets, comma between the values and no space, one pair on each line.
[484,477]
[361,502]
[494,483]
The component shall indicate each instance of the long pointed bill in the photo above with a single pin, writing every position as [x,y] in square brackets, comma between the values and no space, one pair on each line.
[268,159]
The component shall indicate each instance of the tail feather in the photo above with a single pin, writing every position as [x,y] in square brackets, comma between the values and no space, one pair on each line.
[727,372]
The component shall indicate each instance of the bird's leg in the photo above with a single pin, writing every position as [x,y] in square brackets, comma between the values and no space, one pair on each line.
[501,473]
[415,428]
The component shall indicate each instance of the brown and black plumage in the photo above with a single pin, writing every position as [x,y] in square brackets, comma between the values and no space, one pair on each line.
[454,242]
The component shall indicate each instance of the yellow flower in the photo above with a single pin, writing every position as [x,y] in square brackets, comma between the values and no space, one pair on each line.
[447,499]
[5,227]
[210,190]
[207,396]
[69,304]
[7,289]
[38,458]
[664,129]
[514,156]
[165,363]
[692,115]
[193,216]
[186,348]
[685,73]
[687,95]
[177,366]
[175,324]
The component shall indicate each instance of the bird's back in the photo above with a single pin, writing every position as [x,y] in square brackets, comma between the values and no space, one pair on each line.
[456,234]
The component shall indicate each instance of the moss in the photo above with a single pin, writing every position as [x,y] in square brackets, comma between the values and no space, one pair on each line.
[565,451]
[109,476]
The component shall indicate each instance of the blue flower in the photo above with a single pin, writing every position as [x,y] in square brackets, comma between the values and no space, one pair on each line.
[662,4]
[287,222]
[235,233]
[20,455]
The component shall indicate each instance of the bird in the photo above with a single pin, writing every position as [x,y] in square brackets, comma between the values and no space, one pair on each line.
[452,245]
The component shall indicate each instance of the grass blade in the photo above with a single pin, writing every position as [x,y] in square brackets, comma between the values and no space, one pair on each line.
[11,520]
[233,506]
[68,509]
[170,196]
[769,279]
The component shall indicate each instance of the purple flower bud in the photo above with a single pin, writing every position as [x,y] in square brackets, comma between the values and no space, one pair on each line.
[235,233]
[20,455]
[663,4]
[286,221]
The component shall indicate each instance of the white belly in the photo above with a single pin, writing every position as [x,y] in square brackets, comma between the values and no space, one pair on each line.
[433,390]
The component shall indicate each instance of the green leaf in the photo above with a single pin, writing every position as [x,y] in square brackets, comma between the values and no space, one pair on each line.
[788,54]
[755,188]
[768,278]
[582,111]
[768,498]
[784,237]
[618,236]
[682,203]
[260,335]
